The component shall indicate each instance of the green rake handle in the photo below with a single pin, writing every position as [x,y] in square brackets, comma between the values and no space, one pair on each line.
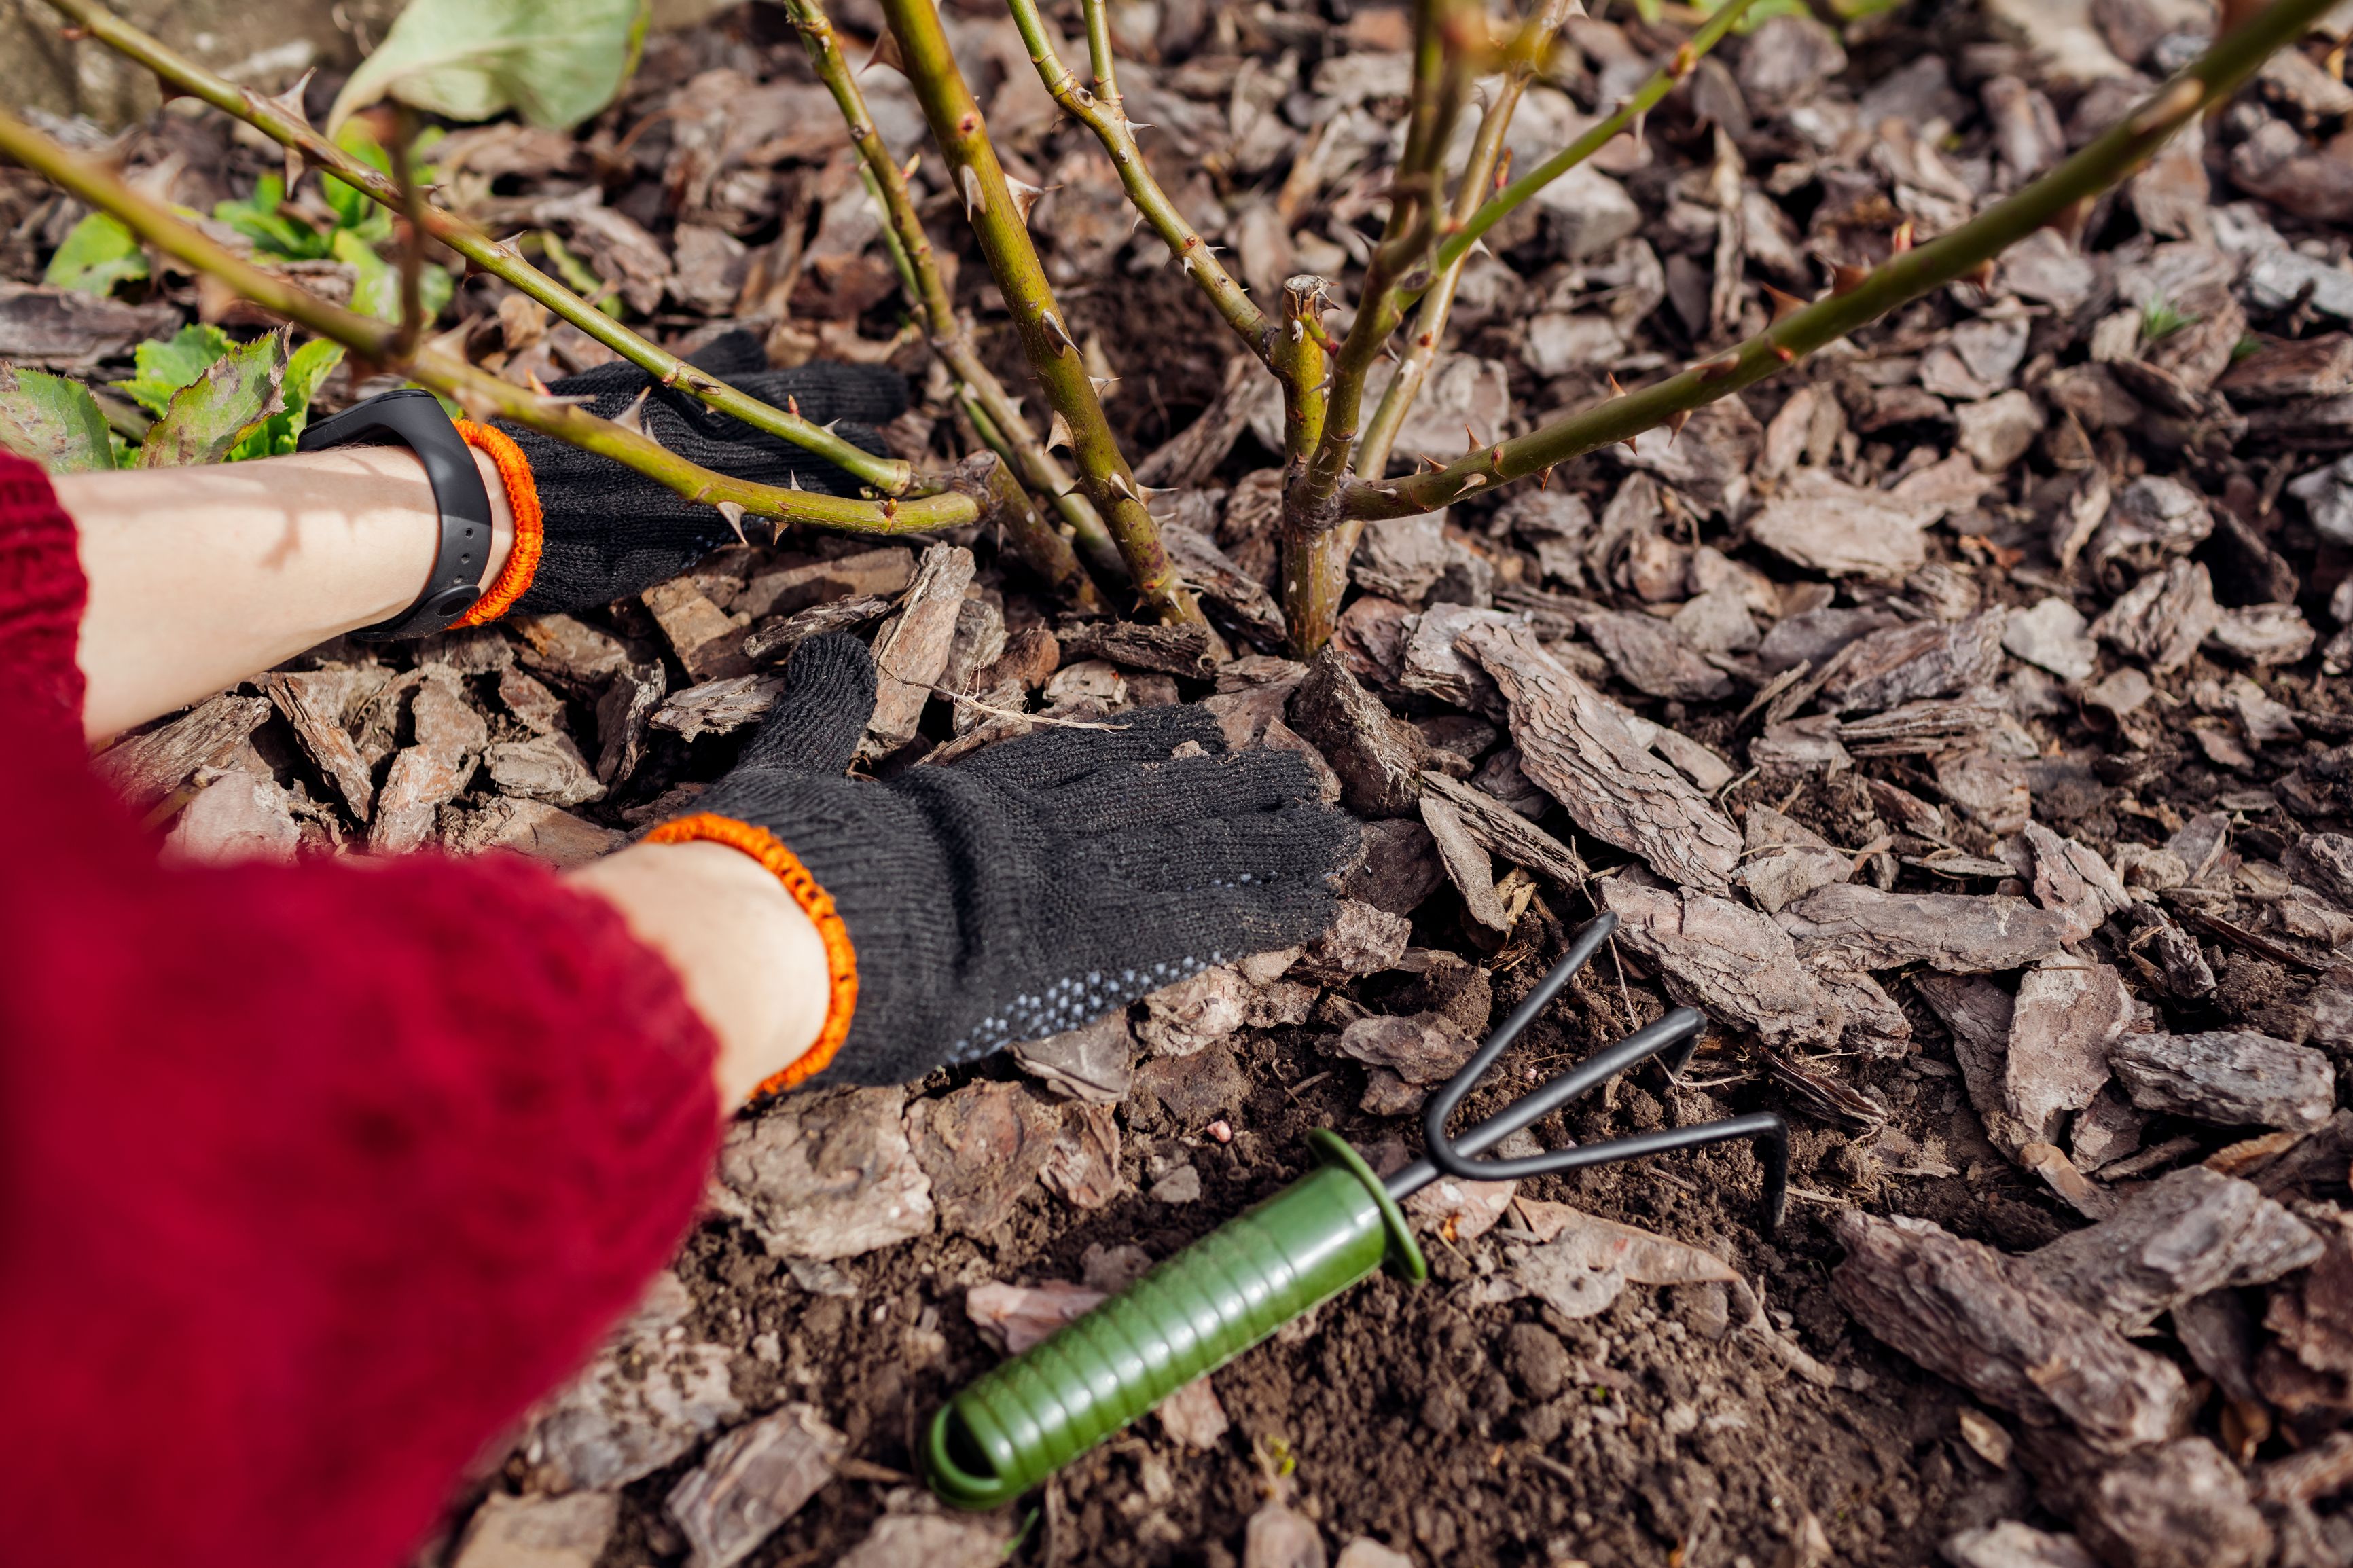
[1014,1426]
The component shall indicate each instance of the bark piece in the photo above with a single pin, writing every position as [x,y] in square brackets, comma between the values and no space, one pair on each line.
[1459,1210]
[1587,1262]
[930,1541]
[981,1146]
[772,641]
[1859,927]
[1990,789]
[1990,1323]
[534,1531]
[1379,758]
[1577,745]
[753,1480]
[2067,1014]
[1202,1008]
[1843,532]
[2072,879]
[645,1401]
[421,781]
[1095,1062]
[625,712]
[2150,519]
[532,827]
[1014,1317]
[1934,727]
[1467,865]
[2168,954]
[1727,959]
[1978,1012]
[2010,1545]
[720,707]
[569,649]
[911,652]
[545,767]
[865,575]
[145,768]
[1433,663]
[1876,1026]
[2290,369]
[1401,558]
[1276,1537]
[238,817]
[1423,1049]
[2052,636]
[1083,1165]
[2324,860]
[2231,1078]
[1785,860]
[1650,657]
[2309,1369]
[526,697]
[1193,1090]
[2161,619]
[1172,650]
[2171,1241]
[2180,1505]
[2263,634]
[1400,868]
[1905,664]
[709,643]
[1813,637]
[825,1175]
[444,721]
[314,704]
[1498,829]
[1804,745]
[1193,1416]
[1362,940]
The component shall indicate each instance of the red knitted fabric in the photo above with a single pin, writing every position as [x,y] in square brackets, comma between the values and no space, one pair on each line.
[311,1177]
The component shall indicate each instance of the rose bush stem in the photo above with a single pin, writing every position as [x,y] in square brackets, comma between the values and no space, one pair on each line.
[481,394]
[1002,228]
[284,125]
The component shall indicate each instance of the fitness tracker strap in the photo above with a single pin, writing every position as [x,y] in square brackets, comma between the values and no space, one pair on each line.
[413,418]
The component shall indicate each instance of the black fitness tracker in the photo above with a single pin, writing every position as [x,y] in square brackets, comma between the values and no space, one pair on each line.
[414,418]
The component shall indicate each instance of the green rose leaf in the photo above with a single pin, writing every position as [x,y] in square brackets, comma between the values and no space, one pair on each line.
[556,62]
[207,417]
[166,366]
[311,365]
[99,252]
[53,420]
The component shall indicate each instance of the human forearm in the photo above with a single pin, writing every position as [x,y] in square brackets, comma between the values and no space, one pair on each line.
[200,577]
[751,963]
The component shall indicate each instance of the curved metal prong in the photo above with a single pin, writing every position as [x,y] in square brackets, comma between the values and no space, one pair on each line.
[1673,1038]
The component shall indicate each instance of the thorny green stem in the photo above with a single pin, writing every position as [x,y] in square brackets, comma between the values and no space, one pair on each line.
[1646,98]
[1108,121]
[287,127]
[412,235]
[978,181]
[1441,78]
[910,243]
[2207,83]
[1099,56]
[1430,323]
[481,393]
[1312,560]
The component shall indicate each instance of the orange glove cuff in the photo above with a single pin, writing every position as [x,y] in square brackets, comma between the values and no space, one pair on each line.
[841,957]
[523,499]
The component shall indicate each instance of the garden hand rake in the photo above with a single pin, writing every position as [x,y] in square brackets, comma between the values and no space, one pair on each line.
[1014,1426]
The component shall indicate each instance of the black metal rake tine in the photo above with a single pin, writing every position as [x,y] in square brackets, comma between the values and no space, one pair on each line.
[1673,1038]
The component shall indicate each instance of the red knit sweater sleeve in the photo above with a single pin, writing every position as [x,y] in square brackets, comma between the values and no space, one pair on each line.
[311,1177]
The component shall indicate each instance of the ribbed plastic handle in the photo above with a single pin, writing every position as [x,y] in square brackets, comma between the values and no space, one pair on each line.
[1015,1426]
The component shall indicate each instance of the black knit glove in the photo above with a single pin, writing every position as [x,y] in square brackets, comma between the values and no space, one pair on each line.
[608,532]
[1039,885]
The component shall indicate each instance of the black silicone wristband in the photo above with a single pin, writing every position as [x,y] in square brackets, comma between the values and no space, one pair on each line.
[414,418]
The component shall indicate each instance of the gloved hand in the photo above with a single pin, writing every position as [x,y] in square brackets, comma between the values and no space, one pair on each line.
[1030,889]
[608,532]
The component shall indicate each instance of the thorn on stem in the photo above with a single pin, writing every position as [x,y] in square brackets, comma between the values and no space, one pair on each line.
[1901,240]
[1846,280]
[1784,305]
[734,512]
